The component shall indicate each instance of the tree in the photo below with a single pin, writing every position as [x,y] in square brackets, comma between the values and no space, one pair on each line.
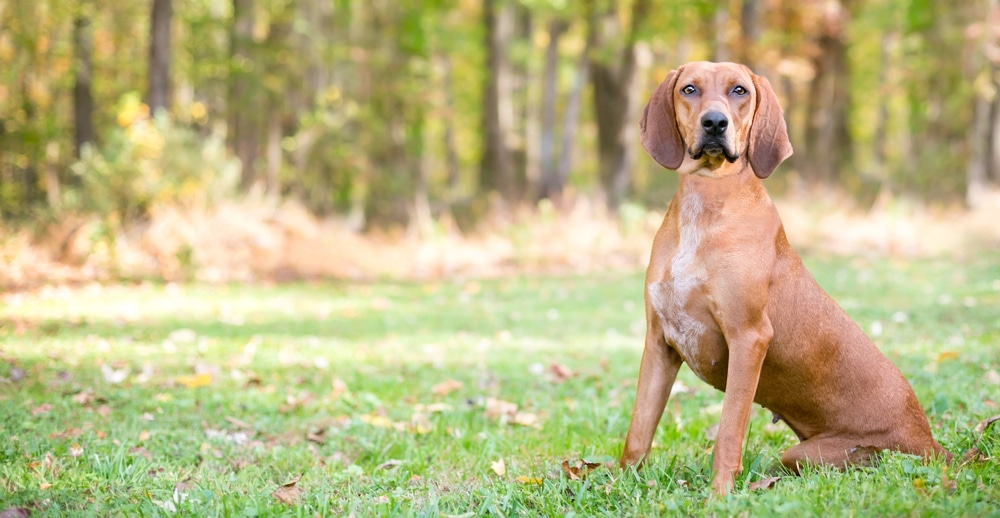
[244,95]
[613,67]
[497,172]
[83,97]
[158,97]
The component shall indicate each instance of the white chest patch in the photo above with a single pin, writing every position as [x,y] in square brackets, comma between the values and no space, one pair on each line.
[670,297]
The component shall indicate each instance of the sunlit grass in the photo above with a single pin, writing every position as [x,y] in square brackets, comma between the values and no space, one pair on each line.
[144,399]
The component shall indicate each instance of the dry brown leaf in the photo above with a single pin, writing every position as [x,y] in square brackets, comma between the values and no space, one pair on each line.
[140,452]
[84,397]
[973,455]
[239,423]
[44,485]
[339,388]
[15,512]
[499,467]
[993,377]
[144,436]
[560,373]
[391,463]
[985,423]
[103,410]
[288,495]
[578,469]
[496,408]
[525,419]
[446,387]
[712,432]
[44,408]
[766,483]
[318,436]
[75,450]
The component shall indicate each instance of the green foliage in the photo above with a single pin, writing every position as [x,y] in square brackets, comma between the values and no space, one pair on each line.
[148,162]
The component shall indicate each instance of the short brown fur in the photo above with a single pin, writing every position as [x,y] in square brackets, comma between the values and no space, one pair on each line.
[726,294]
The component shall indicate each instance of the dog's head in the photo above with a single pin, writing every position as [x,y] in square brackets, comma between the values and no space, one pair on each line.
[704,116]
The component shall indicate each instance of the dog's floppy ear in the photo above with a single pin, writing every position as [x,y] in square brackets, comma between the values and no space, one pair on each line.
[658,127]
[769,145]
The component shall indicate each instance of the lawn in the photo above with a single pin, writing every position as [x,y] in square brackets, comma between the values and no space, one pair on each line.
[459,398]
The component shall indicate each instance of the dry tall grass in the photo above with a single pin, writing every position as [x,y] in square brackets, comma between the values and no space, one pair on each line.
[256,240]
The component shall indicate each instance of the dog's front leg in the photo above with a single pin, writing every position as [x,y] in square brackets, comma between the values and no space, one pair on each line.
[657,373]
[748,344]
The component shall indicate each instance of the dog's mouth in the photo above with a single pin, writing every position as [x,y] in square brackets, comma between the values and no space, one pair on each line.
[713,147]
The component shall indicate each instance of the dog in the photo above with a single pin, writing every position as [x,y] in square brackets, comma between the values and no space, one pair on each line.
[727,295]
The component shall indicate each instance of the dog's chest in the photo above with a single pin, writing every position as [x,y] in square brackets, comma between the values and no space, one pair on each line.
[676,299]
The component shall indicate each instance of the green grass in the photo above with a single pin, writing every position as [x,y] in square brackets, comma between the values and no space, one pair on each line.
[279,359]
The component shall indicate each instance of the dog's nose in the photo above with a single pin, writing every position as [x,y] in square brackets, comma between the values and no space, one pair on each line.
[714,123]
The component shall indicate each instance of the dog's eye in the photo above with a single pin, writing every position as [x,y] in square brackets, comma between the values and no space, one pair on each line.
[689,90]
[739,90]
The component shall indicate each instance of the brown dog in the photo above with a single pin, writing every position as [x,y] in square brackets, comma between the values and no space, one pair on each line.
[727,295]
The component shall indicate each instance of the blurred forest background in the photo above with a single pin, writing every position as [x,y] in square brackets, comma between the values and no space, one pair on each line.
[218,139]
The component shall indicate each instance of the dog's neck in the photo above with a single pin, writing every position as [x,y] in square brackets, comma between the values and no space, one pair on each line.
[714,191]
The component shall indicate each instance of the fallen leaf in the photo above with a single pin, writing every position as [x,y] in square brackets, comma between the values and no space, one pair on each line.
[144,436]
[496,408]
[433,408]
[499,467]
[75,450]
[44,485]
[240,424]
[651,483]
[318,437]
[766,483]
[17,374]
[44,408]
[947,355]
[103,410]
[533,481]
[993,377]
[113,376]
[985,423]
[84,397]
[379,421]
[973,455]
[194,381]
[525,419]
[339,388]
[712,432]
[578,469]
[391,463]
[560,372]
[446,387]
[288,493]
[15,512]
[140,452]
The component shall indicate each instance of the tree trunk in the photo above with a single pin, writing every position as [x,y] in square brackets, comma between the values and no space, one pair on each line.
[720,30]
[451,154]
[243,93]
[83,98]
[159,56]
[828,142]
[571,125]
[615,102]
[749,34]
[497,165]
[550,185]
[273,176]
[976,172]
